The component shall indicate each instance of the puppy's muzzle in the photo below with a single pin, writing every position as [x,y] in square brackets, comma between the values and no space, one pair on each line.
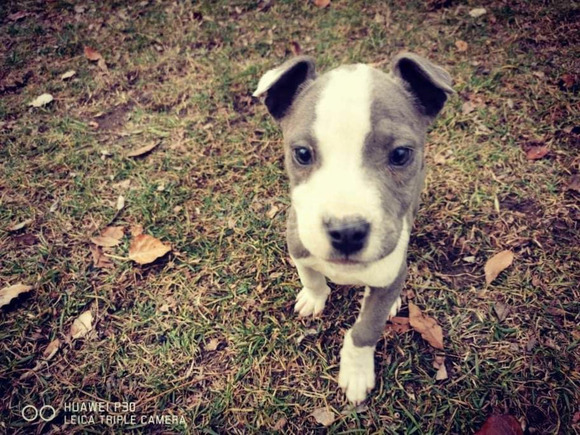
[348,236]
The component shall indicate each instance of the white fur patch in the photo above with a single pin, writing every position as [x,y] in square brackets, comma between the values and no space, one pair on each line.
[310,303]
[357,370]
[267,80]
[341,187]
[380,273]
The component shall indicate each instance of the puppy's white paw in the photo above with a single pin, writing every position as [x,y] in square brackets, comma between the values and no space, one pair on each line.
[357,370]
[311,303]
[395,308]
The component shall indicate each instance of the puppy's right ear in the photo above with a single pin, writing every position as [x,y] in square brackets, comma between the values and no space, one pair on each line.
[283,84]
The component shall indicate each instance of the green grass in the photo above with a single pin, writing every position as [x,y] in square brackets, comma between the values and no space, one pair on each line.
[208,332]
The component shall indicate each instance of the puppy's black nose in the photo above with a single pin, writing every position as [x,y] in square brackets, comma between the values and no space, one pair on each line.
[348,237]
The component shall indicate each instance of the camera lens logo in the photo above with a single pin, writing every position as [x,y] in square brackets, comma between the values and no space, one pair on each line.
[31,413]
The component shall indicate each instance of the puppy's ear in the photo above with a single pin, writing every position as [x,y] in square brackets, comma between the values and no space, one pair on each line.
[283,84]
[430,84]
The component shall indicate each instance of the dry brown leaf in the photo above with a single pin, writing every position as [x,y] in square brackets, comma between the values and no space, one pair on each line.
[496,264]
[92,54]
[67,75]
[426,326]
[323,416]
[51,349]
[41,100]
[501,425]
[212,345]
[399,324]
[17,16]
[143,150]
[501,311]
[537,152]
[19,225]
[100,260]
[322,3]
[295,48]
[467,107]
[280,424]
[136,230]
[273,211]
[115,232]
[82,325]
[441,374]
[146,249]
[574,183]
[120,203]
[461,45]
[10,292]
[110,236]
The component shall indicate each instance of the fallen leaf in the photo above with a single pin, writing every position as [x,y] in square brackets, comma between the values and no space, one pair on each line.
[100,260]
[568,80]
[143,150]
[124,185]
[120,202]
[537,152]
[110,236]
[272,212]
[461,45]
[426,326]
[295,47]
[136,230]
[496,264]
[10,292]
[531,344]
[467,107]
[17,16]
[501,311]
[501,425]
[441,374]
[92,54]
[323,416]
[51,349]
[212,345]
[477,12]
[145,249]
[574,183]
[280,424]
[82,325]
[399,324]
[322,3]
[19,225]
[68,74]
[41,100]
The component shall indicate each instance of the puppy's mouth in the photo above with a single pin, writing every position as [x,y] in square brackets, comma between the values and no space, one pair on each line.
[346,262]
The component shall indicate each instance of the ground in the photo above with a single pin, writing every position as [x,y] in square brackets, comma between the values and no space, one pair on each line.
[208,332]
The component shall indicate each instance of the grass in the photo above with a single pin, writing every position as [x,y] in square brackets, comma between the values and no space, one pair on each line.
[207,333]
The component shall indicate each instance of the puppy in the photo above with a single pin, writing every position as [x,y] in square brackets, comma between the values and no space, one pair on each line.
[353,144]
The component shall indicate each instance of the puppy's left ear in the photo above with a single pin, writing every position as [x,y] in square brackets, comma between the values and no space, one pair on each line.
[430,84]
[283,84]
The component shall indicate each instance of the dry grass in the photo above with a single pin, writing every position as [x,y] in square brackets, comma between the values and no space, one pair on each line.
[208,332]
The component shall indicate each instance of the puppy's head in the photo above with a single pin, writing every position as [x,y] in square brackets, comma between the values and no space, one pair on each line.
[354,149]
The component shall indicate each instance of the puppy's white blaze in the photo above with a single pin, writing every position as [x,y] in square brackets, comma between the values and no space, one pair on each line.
[340,187]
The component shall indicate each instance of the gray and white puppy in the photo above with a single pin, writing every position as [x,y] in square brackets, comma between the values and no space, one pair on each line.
[353,141]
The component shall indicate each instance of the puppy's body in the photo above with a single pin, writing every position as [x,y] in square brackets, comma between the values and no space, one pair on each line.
[354,154]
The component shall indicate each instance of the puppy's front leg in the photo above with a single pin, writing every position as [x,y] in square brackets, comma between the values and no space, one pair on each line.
[315,291]
[357,364]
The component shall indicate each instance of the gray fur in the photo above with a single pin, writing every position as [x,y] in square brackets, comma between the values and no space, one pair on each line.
[376,310]
[403,105]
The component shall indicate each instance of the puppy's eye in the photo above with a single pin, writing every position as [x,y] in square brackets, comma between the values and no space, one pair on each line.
[302,156]
[400,156]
